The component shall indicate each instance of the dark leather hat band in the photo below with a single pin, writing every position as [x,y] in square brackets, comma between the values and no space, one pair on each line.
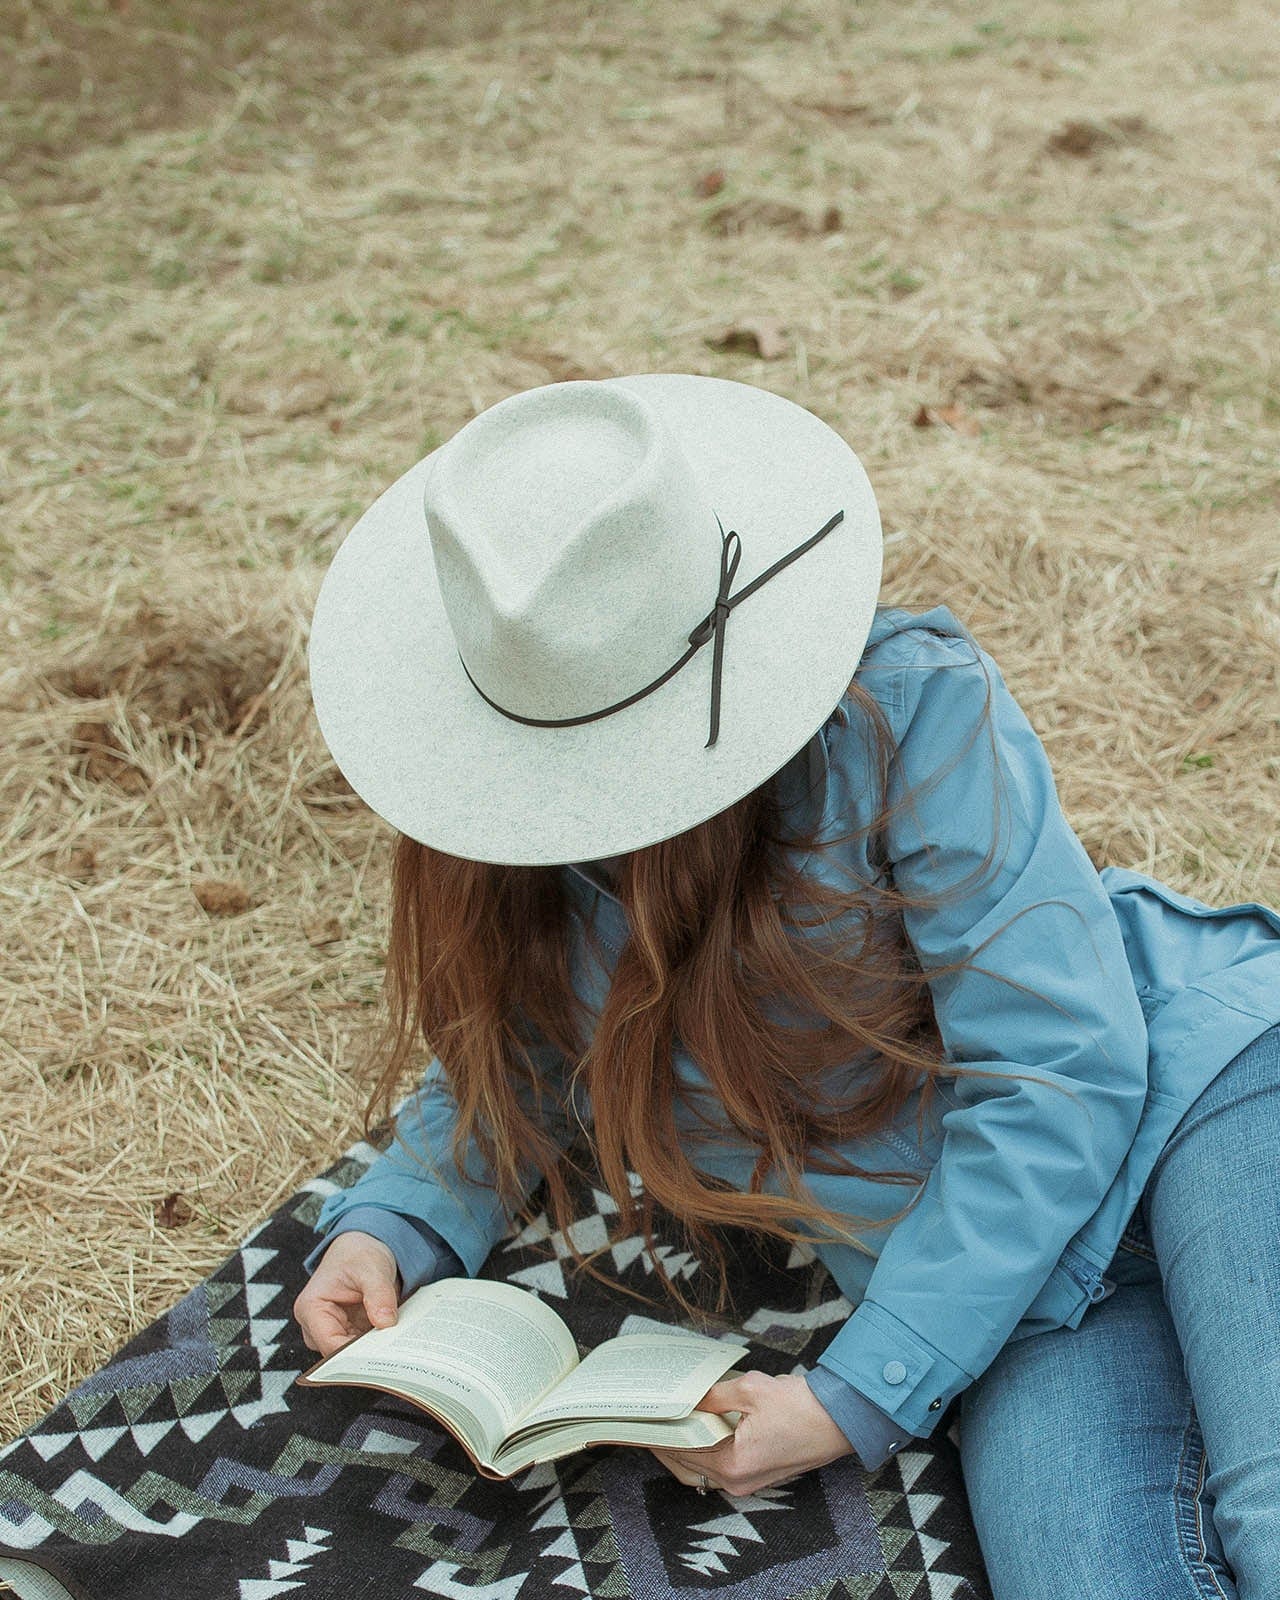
[711,627]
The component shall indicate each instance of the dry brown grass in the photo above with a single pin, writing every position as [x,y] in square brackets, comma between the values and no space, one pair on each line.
[251,276]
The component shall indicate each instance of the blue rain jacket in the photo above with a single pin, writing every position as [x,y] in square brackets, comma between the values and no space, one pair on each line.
[1108,985]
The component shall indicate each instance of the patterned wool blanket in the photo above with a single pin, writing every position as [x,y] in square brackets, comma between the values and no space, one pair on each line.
[192,1467]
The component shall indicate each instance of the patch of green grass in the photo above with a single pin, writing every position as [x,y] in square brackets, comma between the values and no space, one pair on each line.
[310,448]
[870,277]
[286,255]
[1066,34]
[143,496]
[170,272]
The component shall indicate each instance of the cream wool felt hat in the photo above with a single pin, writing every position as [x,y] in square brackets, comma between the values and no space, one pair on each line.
[598,615]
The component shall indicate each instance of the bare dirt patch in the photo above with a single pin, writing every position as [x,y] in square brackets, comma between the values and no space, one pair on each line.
[180,669]
[102,72]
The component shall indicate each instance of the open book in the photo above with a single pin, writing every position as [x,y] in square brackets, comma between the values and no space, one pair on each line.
[497,1367]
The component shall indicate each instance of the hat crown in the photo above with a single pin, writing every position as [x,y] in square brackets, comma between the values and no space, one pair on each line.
[574,548]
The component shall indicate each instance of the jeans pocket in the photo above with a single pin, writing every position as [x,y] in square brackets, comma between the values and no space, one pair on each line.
[1135,1236]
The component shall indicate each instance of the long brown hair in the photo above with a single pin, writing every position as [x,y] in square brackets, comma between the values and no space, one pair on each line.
[479,966]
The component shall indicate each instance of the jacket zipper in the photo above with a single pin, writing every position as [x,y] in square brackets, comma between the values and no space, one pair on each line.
[603,936]
[594,920]
[1094,1282]
[896,1142]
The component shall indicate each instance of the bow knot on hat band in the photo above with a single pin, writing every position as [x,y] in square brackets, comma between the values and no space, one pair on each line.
[715,618]
[711,627]
[553,566]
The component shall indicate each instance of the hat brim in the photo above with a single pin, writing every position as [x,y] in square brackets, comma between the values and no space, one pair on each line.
[426,752]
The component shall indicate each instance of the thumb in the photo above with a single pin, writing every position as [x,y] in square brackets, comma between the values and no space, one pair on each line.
[377,1288]
[727,1395]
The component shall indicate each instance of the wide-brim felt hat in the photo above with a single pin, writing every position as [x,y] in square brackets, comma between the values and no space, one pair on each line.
[535,646]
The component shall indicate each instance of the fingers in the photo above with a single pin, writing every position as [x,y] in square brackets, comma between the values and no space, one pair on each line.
[692,1477]
[722,1396]
[379,1295]
[740,1392]
[352,1290]
[325,1329]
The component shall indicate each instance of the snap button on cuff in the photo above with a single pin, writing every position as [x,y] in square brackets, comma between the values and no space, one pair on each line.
[894,1372]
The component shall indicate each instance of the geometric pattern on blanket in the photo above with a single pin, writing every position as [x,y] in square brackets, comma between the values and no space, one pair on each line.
[191,1467]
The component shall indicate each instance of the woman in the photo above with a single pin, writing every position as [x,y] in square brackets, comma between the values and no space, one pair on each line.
[841,971]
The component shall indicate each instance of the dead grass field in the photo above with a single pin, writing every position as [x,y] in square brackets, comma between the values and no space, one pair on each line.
[1023,257]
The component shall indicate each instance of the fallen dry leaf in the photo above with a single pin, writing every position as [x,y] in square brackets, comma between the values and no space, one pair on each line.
[174,1211]
[103,758]
[764,336]
[954,417]
[840,110]
[222,897]
[559,367]
[82,862]
[739,215]
[1080,137]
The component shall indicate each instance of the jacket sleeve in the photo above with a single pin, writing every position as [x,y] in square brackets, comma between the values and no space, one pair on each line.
[421,1254]
[417,1177]
[1022,1165]
[873,1435]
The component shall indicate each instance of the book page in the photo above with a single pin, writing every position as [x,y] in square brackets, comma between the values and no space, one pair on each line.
[698,1431]
[653,1375]
[494,1348]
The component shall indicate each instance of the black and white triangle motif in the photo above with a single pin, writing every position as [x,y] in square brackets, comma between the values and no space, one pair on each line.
[591,1233]
[264,1332]
[283,1575]
[822,1315]
[708,1554]
[564,1545]
[441,1578]
[922,1505]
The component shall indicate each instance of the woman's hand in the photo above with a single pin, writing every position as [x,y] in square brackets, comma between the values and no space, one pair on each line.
[354,1288]
[785,1430]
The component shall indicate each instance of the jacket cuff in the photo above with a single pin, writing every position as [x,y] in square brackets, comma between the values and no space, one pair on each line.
[874,1435]
[421,1254]
[471,1236]
[911,1380]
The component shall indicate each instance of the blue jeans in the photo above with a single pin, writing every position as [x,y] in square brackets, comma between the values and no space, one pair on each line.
[1137,1457]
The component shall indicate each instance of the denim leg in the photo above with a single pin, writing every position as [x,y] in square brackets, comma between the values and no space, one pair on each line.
[1083,1460]
[1212,1209]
